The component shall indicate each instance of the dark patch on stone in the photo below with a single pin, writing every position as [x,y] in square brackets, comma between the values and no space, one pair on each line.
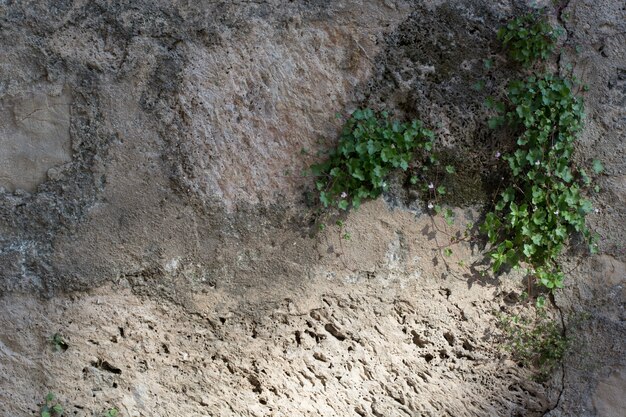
[428,71]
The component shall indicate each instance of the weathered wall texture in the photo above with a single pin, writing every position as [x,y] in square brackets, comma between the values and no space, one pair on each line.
[153,212]
[35,138]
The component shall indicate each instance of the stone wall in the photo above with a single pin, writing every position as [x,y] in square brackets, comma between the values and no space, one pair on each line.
[153,212]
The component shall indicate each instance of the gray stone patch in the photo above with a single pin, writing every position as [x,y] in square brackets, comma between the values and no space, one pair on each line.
[609,396]
[34,137]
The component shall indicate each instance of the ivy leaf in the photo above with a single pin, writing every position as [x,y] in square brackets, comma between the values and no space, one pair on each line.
[597,166]
[371,147]
[585,177]
[449,216]
[377,172]
[358,174]
[586,206]
[324,199]
[560,232]
[539,217]
[566,174]
[450,169]
[361,149]
[541,301]
[508,194]
[547,283]
[334,172]
[537,195]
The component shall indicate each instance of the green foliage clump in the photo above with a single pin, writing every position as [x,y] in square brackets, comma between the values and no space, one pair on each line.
[51,407]
[529,38]
[536,342]
[112,412]
[370,147]
[58,343]
[535,216]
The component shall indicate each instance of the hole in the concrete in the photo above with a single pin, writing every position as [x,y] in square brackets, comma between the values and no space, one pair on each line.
[106,366]
[256,384]
[418,340]
[330,328]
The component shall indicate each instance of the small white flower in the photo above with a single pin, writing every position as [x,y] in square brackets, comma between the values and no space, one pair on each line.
[344,194]
[597,211]
[431,185]
[393,146]
[556,212]
[498,154]
[430,205]
[538,163]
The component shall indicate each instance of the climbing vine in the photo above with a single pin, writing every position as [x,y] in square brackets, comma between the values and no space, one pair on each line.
[528,38]
[544,206]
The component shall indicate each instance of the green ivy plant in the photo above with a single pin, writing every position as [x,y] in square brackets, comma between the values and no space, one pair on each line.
[51,407]
[535,216]
[58,342]
[112,412]
[529,38]
[370,147]
[536,342]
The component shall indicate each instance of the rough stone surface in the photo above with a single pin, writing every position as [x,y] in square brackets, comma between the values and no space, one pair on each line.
[153,212]
[35,138]
[608,398]
[385,337]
